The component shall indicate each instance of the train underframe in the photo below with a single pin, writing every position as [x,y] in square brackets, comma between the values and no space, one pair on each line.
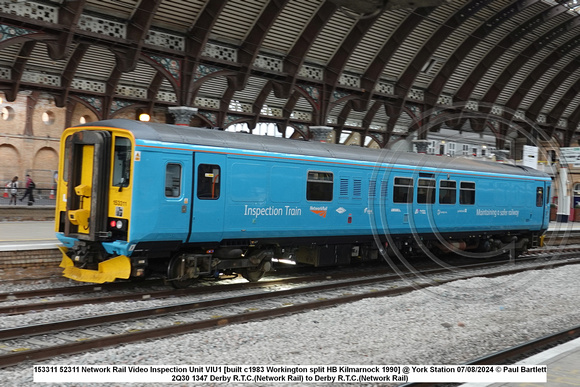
[183,264]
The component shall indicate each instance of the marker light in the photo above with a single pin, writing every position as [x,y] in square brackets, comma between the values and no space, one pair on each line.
[118,224]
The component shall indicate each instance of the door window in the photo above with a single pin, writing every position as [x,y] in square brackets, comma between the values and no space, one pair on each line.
[208,181]
[539,196]
[173,181]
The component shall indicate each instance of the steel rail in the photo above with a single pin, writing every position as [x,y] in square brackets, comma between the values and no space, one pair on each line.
[102,342]
[68,290]
[11,333]
[160,294]
[99,298]
[509,354]
[94,288]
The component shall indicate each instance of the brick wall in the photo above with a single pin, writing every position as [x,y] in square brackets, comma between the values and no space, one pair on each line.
[33,144]
[30,130]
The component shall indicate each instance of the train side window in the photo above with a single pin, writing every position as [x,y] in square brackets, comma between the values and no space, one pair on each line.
[403,190]
[466,193]
[208,181]
[447,192]
[539,196]
[122,162]
[173,181]
[426,191]
[319,186]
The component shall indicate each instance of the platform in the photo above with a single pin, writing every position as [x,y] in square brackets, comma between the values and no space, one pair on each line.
[563,364]
[27,235]
[21,213]
[569,226]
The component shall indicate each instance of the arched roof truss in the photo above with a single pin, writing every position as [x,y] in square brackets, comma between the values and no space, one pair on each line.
[301,63]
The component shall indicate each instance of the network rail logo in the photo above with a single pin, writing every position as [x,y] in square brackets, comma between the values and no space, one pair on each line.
[321,211]
[454,205]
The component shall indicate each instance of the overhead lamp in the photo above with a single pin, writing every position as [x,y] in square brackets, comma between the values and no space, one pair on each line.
[144,117]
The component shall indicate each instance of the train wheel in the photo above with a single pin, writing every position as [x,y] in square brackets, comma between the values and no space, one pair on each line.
[253,275]
[178,273]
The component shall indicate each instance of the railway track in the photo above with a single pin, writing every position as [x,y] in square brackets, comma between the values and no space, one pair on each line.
[129,290]
[41,341]
[513,354]
[31,275]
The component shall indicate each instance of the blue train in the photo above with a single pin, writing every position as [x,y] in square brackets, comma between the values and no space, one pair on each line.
[136,199]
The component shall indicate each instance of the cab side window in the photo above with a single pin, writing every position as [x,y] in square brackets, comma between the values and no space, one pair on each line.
[122,162]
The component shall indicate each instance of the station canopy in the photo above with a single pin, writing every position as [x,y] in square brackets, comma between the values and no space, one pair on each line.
[377,69]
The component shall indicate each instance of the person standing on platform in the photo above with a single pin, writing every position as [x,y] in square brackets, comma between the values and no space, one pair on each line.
[29,190]
[13,185]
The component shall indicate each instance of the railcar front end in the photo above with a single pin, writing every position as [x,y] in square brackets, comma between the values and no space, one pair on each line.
[93,206]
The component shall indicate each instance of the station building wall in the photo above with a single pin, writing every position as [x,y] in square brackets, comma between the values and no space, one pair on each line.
[30,130]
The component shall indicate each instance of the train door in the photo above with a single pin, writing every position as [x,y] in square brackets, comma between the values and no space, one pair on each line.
[543,200]
[208,198]
[88,177]
[175,204]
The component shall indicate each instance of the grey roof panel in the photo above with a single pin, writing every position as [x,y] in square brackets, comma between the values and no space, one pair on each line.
[200,136]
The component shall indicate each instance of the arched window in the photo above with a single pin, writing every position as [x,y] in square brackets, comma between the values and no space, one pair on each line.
[7,113]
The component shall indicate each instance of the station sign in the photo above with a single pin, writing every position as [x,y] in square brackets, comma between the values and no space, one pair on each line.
[531,156]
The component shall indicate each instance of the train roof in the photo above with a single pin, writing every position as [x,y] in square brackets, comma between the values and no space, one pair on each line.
[211,137]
